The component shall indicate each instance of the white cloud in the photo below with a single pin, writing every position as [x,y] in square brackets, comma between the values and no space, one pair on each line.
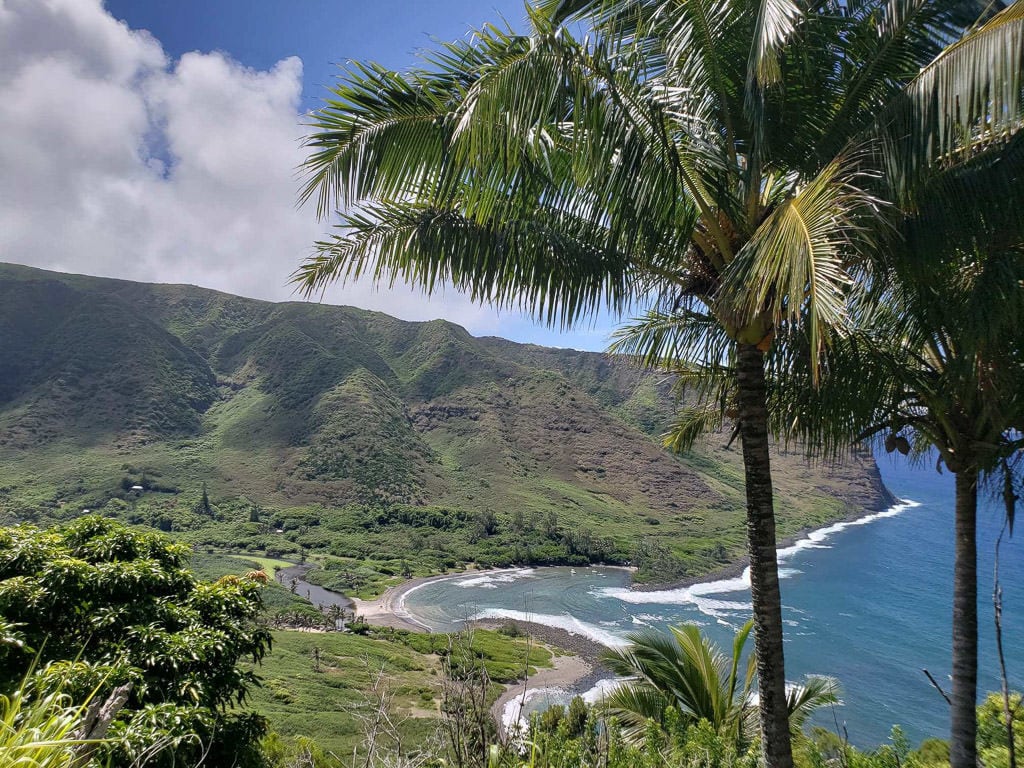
[119,162]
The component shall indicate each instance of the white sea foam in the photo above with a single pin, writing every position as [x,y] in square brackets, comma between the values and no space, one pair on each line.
[512,713]
[648,617]
[602,688]
[791,687]
[402,612]
[816,539]
[399,606]
[706,597]
[565,621]
[697,594]
[492,580]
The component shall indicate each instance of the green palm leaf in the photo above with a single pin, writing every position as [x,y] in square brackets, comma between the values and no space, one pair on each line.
[686,670]
[967,99]
[539,263]
[795,265]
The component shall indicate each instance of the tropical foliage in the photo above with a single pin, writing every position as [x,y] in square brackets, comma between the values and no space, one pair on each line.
[43,734]
[932,367]
[687,673]
[814,206]
[444,392]
[98,606]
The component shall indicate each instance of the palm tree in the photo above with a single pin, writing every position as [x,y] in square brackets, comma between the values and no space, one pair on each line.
[701,156]
[685,670]
[938,356]
[937,368]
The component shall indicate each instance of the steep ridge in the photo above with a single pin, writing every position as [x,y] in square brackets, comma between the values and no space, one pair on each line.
[329,419]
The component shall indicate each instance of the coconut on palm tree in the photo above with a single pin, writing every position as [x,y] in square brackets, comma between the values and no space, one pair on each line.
[705,158]
[935,369]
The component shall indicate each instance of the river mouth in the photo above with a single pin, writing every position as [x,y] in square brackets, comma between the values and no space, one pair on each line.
[293,579]
[867,602]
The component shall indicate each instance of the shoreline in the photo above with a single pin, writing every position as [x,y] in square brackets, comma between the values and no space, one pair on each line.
[736,569]
[389,608]
[580,668]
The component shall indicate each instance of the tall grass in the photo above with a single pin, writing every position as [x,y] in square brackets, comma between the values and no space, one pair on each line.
[41,733]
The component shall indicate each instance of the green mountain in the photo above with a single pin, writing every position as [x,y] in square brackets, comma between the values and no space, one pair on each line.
[375,441]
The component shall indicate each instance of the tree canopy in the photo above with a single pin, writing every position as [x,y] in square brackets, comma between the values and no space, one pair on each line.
[94,604]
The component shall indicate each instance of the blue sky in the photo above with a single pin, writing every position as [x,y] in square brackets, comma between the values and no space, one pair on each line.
[323,33]
[158,141]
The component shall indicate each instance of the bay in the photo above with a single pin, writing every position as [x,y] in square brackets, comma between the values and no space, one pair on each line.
[868,603]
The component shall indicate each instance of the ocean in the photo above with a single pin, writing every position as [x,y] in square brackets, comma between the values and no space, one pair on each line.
[868,603]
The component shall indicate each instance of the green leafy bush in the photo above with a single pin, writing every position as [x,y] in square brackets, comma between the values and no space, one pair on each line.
[100,604]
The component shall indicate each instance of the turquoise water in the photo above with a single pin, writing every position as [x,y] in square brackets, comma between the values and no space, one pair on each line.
[867,603]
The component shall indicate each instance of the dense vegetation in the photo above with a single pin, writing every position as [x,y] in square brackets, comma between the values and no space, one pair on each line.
[96,610]
[747,172]
[772,178]
[372,696]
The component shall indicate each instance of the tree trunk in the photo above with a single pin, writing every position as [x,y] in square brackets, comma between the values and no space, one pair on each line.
[963,752]
[764,568]
[997,605]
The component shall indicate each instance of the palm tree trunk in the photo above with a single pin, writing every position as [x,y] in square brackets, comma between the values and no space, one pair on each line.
[764,569]
[963,751]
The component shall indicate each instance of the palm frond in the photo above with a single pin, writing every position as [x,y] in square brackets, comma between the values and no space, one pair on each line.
[703,47]
[684,669]
[554,265]
[776,22]
[970,207]
[375,135]
[689,425]
[813,694]
[795,265]
[885,46]
[692,346]
[967,99]
[633,704]
[660,340]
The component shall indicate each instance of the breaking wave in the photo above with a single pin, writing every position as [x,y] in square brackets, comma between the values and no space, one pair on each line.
[699,594]
[565,621]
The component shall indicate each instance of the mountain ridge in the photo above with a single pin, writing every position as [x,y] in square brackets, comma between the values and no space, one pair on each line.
[330,413]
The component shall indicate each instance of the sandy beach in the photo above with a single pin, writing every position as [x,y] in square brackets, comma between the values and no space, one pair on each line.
[580,668]
[567,672]
[386,610]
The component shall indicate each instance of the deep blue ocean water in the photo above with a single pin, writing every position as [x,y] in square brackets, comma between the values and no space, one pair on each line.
[868,604]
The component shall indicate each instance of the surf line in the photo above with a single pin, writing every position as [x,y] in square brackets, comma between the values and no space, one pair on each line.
[696,594]
[401,611]
[699,594]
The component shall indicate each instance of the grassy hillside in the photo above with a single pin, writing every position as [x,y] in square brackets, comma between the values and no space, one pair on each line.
[323,685]
[378,446]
